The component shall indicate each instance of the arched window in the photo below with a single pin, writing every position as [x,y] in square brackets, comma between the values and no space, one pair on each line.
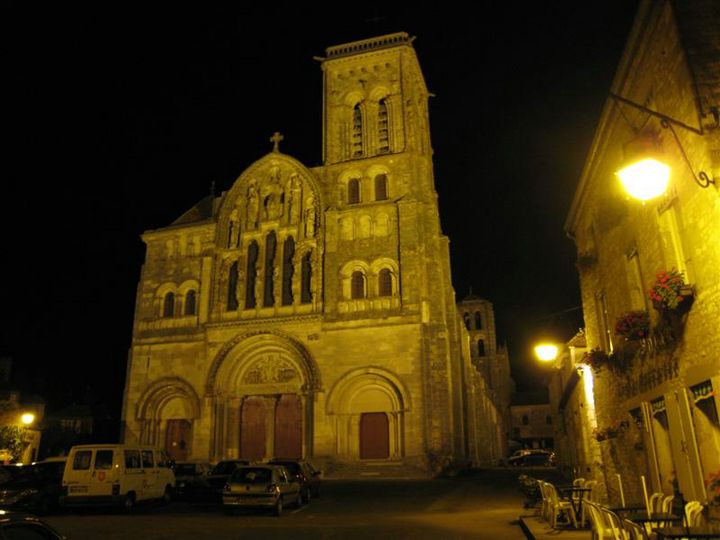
[383,132]
[306,279]
[466,320]
[525,420]
[385,283]
[190,303]
[232,301]
[357,285]
[353,191]
[478,321]
[481,347]
[270,245]
[357,132]
[288,254]
[381,187]
[253,252]
[169,305]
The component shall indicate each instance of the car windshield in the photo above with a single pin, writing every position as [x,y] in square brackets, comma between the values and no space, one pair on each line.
[224,467]
[186,469]
[252,475]
[292,466]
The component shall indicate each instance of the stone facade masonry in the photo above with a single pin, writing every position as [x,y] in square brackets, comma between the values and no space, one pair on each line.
[665,402]
[309,312]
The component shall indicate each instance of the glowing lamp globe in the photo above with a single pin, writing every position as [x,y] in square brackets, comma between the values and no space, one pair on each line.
[645,179]
[546,352]
[27,418]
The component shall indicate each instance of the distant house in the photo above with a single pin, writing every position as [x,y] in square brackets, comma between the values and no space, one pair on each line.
[531,420]
[66,427]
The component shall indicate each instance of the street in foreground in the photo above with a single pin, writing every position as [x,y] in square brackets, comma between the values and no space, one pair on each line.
[468,507]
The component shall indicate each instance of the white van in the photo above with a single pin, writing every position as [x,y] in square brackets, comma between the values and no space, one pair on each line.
[116,474]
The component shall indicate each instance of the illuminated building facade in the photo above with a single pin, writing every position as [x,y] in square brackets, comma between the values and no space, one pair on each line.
[309,312]
[656,389]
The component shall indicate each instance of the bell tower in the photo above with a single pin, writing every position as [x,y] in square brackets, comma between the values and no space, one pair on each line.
[375,100]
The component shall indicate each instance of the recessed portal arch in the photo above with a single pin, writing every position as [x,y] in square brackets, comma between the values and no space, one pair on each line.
[370,406]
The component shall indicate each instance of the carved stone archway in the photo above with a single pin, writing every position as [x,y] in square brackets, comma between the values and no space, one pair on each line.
[260,383]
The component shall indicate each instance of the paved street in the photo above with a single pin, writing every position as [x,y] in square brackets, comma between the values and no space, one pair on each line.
[470,507]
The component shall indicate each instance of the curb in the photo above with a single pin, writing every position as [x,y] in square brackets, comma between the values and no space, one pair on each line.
[528,534]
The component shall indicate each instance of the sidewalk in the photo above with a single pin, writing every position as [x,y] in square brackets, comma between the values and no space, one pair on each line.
[536,528]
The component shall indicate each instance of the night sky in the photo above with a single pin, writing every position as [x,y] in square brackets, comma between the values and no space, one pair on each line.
[117,122]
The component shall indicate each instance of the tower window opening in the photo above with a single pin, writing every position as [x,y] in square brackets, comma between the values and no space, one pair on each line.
[357,285]
[385,283]
[481,347]
[169,306]
[381,187]
[190,303]
[357,132]
[353,191]
[383,130]
[478,321]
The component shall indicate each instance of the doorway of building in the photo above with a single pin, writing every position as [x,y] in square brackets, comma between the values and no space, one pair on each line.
[288,427]
[252,429]
[178,437]
[374,436]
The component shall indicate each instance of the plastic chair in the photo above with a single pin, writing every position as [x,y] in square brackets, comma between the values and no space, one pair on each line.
[560,506]
[693,513]
[615,524]
[546,503]
[600,529]
[589,496]
[634,531]
[655,502]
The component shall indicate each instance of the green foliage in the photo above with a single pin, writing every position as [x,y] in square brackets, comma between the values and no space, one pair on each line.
[667,291]
[11,439]
[633,325]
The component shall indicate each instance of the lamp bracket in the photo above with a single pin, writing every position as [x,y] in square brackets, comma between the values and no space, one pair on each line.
[701,179]
[661,116]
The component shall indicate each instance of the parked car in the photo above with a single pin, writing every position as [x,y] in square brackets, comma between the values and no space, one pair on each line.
[218,477]
[532,458]
[35,488]
[261,486]
[191,479]
[116,474]
[18,525]
[305,473]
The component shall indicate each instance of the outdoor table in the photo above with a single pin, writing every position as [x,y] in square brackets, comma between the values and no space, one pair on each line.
[576,503]
[703,531]
[659,518]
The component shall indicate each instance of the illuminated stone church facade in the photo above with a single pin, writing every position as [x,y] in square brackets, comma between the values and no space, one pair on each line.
[309,312]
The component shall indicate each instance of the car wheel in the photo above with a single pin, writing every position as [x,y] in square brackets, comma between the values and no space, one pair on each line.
[279,507]
[128,502]
[167,495]
[42,507]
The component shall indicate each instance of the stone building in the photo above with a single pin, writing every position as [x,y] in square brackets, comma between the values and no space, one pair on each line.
[655,389]
[491,368]
[531,420]
[309,312]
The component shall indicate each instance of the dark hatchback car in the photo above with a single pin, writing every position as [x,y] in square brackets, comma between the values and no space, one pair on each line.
[17,526]
[35,488]
[191,479]
[533,458]
[212,487]
[304,473]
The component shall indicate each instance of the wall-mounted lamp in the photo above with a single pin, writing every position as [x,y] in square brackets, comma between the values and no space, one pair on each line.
[646,175]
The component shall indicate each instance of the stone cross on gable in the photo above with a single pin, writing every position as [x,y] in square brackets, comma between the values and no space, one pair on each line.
[275,139]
